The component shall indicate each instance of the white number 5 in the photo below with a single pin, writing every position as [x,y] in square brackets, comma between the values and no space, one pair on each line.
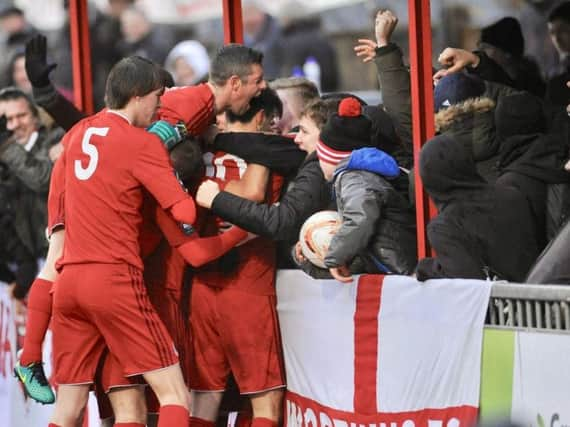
[89,149]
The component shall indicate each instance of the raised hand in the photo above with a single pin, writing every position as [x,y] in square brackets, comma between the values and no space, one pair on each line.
[384,26]
[37,67]
[366,49]
[454,60]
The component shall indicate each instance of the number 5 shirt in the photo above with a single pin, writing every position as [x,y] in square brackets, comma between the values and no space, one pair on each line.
[107,164]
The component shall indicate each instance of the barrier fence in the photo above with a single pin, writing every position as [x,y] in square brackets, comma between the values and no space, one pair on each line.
[331,332]
[538,307]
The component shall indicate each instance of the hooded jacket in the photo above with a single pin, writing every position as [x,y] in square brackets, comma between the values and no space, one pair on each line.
[471,121]
[481,230]
[377,222]
[529,159]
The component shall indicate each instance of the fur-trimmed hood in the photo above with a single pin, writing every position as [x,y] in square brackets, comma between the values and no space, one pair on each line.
[445,118]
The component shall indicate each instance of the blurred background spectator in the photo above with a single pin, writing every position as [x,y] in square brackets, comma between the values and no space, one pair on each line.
[188,62]
[289,32]
[262,32]
[15,31]
[141,37]
[25,169]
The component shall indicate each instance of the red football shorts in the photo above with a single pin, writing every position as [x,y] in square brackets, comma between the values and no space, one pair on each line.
[167,304]
[109,376]
[234,331]
[106,305]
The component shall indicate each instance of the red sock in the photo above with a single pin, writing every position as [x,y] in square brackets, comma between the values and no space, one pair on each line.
[263,422]
[173,416]
[128,425]
[39,315]
[53,425]
[199,422]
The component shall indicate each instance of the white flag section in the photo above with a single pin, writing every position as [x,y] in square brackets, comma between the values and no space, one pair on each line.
[382,351]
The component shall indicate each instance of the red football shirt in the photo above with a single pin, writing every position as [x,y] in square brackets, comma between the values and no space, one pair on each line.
[255,272]
[108,163]
[192,105]
[56,202]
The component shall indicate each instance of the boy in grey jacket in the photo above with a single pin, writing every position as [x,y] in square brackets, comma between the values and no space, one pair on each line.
[378,224]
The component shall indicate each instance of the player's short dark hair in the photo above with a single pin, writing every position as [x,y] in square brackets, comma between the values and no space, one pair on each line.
[12,93]
[186,159]
[268,101]
[130,77]
[561,11]
[319,111]
[233,60]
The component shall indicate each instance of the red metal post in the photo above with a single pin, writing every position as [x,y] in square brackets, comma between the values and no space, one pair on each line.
[233,24]
[81,56]
[422,106]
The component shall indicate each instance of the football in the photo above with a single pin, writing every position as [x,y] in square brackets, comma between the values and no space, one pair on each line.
[316,235]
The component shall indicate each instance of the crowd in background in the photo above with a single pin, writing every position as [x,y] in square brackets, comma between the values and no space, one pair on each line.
[500,157]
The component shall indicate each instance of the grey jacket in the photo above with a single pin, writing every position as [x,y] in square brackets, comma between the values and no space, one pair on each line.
[378,223]
[28,176]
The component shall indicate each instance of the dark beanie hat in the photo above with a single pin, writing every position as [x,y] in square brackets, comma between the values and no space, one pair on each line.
[505,34]
[344,132]
[455,88]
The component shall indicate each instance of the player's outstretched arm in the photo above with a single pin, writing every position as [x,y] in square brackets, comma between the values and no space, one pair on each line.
[196,250]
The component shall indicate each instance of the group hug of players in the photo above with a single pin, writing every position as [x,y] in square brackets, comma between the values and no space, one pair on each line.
[123,231]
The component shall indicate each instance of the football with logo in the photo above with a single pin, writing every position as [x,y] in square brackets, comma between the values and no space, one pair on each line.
[316,235]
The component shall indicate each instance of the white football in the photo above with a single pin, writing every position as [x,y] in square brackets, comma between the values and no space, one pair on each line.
[316,235]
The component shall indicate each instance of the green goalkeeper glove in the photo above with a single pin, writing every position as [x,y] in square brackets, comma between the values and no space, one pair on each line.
[170,135]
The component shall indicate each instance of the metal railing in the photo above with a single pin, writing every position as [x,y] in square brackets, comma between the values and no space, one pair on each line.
[537,307]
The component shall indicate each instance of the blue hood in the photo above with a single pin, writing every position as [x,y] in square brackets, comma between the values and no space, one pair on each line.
[372,160]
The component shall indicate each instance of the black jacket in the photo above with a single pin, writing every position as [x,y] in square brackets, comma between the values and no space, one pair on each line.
[529,159]
[481,230]
[307,194]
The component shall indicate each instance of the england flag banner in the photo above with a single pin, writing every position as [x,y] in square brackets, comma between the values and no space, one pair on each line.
[383,351]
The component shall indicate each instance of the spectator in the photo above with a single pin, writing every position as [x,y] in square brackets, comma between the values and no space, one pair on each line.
[557,92]
[301,39]
[141,38]
[394,79]
[24,155]
[529,159]
[295,93]
[17,73]
[105,32]
[465,106]
[503,42]
[378,224]
[473,235]
[16,32]
[262,32]
[188,62]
